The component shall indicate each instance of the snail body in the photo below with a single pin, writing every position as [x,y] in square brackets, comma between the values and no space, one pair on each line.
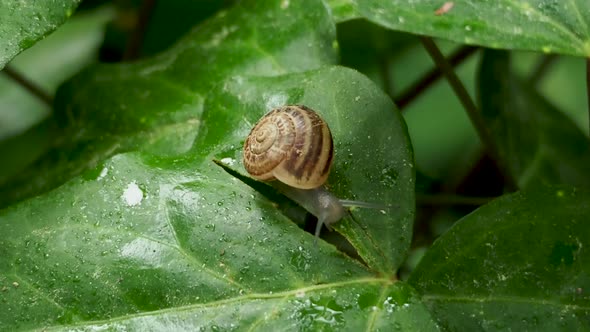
[293,145]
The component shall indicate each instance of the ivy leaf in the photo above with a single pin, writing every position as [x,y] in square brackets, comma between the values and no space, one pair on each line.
[539,144]
[24,23]
[153,230]
[113,108]
[372,160]
[548,26]
[175,239]
[519,262]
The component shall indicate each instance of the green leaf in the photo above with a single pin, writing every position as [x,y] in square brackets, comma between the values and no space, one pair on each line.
[143,233]
[343,10]
[159,234]
[520,262]
[539,143]
[372,160]
[113,108]
[547,26]
[23,135]
[22,23]
[144,236]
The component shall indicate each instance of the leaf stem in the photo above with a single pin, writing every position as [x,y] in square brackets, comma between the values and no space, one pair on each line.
[132,49]
[385,71]
[541,68]
[588,86]
[28,85]
[470,108]
[413,91]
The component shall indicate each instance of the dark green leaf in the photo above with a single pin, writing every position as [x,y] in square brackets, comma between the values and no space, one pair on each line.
[537,142]
[372,160]
[22,23]
[140,234]
[113,108]
[168,239]
[519,263]
[549,26]
[161,235]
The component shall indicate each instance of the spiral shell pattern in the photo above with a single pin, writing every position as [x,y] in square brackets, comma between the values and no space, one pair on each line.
[291,144]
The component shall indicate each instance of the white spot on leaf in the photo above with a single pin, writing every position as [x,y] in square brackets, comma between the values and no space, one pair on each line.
[132,195]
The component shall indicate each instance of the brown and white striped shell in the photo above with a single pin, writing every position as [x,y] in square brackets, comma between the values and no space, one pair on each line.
[291,144]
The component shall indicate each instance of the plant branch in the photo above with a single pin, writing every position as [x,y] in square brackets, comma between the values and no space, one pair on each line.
[28,85]
[542,67]
[132,49]
[385,71]
[588,86]
[470,108]
[412,92]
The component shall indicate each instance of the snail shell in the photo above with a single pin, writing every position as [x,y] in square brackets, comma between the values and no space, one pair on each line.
[291,144]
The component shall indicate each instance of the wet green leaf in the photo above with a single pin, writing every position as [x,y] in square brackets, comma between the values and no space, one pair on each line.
[539,144]
[372,158]
[142,233]
[153,233]
[22,23]
[549,26]
[520,263]
[113,108]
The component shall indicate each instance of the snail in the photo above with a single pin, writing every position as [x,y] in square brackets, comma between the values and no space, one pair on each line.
[293,145]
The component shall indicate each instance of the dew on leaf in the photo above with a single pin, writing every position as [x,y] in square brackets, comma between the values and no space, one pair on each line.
[132,195]
[300,259]
[312,313]
[228,161]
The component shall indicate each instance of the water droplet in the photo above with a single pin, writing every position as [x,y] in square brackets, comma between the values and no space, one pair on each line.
[132,195]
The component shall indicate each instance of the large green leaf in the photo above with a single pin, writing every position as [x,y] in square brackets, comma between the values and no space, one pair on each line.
[537,142]
[22,23]
[174,239]
[519,263]
[142,233]
[112,108]
[161,235]
[372,159]
[549,26]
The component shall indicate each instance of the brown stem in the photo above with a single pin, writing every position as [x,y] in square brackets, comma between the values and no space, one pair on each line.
[132,50]
[588,85]
[386,74]
[542,67]
[29,85]
[432,76]
[470,108]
